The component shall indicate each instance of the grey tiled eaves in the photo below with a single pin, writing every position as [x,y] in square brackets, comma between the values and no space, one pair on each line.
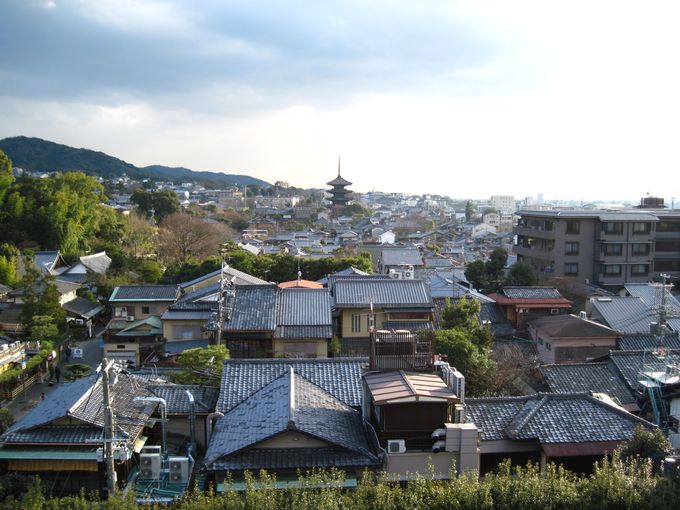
[651,295]
[531,293]
[242,378]
[552,418]
[303,332]
[588,377]
[145,293]
[289,403]
[642,341]
[408,325]
[294,458]
[382,293]
[254,308]
[240,278]
[56,434]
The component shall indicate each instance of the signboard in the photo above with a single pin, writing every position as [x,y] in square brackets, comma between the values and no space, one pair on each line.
[77,353]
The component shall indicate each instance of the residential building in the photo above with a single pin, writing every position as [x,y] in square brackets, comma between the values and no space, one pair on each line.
[605,247]
[566,338]
[503,203]
[518,303]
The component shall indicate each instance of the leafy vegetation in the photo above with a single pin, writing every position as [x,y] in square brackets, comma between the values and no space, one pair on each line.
[613,484]
[201,365]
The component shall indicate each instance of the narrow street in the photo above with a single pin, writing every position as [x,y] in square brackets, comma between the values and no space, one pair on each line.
[92,355]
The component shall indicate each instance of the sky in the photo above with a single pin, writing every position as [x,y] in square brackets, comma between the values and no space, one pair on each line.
[575,100]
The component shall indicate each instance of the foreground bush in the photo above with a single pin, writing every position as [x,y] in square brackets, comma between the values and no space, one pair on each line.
[613,484]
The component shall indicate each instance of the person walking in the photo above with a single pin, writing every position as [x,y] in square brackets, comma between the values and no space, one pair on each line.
[57,373]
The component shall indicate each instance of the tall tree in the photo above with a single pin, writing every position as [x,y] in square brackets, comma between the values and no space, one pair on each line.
[182,237]
[6,176]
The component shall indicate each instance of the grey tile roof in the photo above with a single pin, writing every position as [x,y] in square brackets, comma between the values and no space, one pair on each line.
[177,400]
[333,279]
[642,341]
[552,418]
[97,262]
[254,308]
[630,364]
[302,332]
[294,458]
[409,325]
[239,278]
[242,377]
[382,293]
[588,377]
[531,292]
[56,434]
[399,256]
[289,403]
[304,307]
[82,307]
[571,326]
[83,400]
[145,293]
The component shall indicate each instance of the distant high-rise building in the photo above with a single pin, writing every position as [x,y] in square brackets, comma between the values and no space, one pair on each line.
[540,198]
[339,195]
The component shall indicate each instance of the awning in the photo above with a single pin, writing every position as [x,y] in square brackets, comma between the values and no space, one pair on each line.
[31,454]
[579,449]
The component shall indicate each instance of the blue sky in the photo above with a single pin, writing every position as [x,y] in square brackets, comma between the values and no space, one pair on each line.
[468,99]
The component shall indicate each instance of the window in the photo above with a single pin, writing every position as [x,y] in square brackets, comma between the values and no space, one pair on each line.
[612,270]
[668,226]
[571,269]
[639,269]
[612,249]
[641,228]
[121,311]
[356,323]
[540,341]
[667,265]
[146,310]
[186,332]
[573,226]
[571,248]
[609,227]
[548,346]
[641,248]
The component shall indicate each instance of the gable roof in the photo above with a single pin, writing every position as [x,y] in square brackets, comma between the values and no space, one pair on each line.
[395,386]
[588,377]
[552,418]
[289,403]
[530,297]
[254,308]
[571,326]
[304,313]
[650,293]
[387,293]
[628,314]
[230,273]
[97,262]
[631,364]
[82,307]
[123,293]
[82,400]
[641,341]
[177,400]
[337,376]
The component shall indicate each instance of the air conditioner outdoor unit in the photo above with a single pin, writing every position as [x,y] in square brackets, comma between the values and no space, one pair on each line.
[150,466]
[396,446]
[408,274]
[79,322]
[179,469]
[130,318]
[582,315]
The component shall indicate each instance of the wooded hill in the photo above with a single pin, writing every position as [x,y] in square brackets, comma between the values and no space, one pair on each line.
[37,155]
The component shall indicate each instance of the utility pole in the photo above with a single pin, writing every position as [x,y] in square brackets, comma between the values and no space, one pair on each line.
[108,429]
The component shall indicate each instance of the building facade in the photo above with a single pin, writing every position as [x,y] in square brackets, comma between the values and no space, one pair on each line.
[606,248]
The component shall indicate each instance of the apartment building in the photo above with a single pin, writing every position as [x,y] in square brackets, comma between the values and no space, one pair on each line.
[503,203]
[605,247]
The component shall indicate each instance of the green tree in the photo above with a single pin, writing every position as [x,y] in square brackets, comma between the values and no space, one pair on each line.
[158,204]
[469,210]
[476,274]
[40,298]
[43,328]
[521,274]
[6,419]
[495,266]
[201,366]
[6,176]
[646,444]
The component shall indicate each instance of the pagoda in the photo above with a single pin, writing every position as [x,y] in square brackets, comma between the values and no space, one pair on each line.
[339,195]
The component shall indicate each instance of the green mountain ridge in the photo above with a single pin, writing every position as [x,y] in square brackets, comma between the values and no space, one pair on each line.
[37,155]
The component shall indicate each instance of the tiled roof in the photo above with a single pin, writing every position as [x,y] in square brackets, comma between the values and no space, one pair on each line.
[97,262]
[145,293]
[571,326]
[294,458]
[399,256]
[588,377]
[333,279]
[82,307]
[632,363]
[395,385]
[648,341]
[241,378]
[254,308]
[382,293]
[56,434]
[239,278]
[552,418]
[304,307]
[408,325]
[531,293]
[177,400]
[289,403]
[491,313]
[345,272]
[309,332]
[83,400]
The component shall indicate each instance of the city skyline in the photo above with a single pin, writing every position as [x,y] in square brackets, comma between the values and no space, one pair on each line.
[452,98]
